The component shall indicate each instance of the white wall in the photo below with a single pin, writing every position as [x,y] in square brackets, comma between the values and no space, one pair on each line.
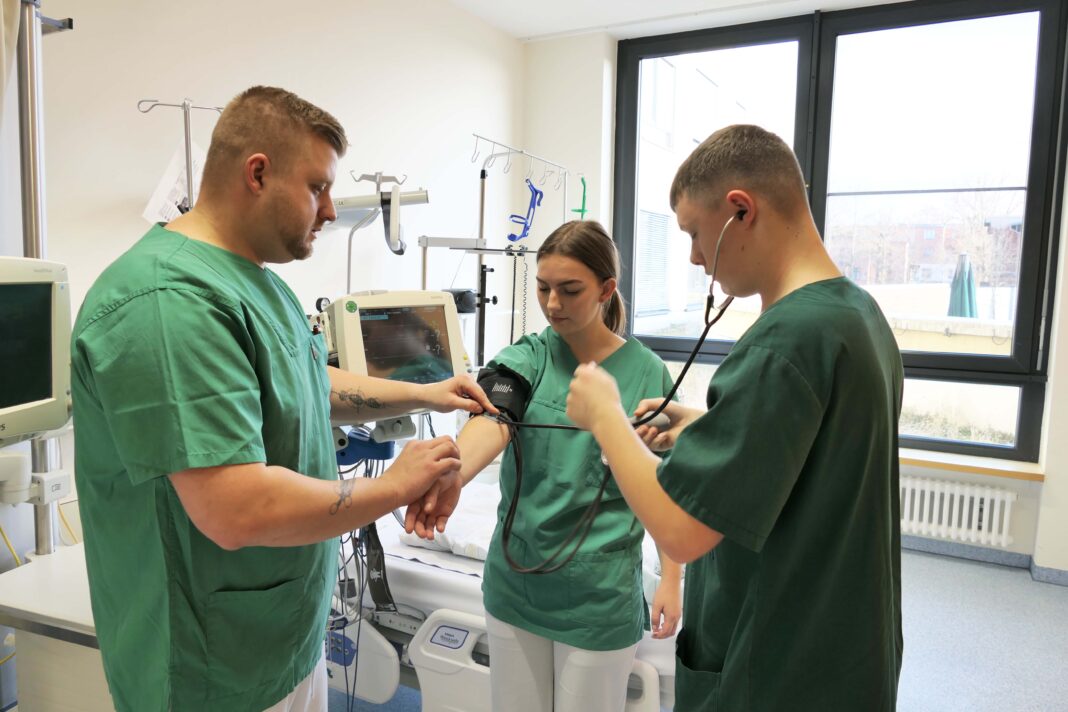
[1051,541]
[409,81]
[569,106]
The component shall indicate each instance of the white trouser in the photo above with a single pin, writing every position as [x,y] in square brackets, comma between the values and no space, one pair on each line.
[309,696]
[529,673]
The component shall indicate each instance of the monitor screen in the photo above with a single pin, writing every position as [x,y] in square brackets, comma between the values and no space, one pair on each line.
[407,343]
[26,349]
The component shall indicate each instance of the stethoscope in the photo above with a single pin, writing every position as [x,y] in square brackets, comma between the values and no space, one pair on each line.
[585,522]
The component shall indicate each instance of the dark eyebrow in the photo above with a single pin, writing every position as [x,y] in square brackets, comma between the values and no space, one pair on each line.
[561,284]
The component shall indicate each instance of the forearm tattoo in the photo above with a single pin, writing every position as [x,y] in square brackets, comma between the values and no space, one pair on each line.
[344,496]
[357,401]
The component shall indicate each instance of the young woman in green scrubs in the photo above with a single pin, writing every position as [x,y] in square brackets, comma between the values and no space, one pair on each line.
[564,641]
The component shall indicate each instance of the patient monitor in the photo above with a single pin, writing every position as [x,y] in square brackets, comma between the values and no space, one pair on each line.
[34,348]
[413,337]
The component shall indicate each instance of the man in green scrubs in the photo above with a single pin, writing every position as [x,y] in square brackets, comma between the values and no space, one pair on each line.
[204,460]
[784,493]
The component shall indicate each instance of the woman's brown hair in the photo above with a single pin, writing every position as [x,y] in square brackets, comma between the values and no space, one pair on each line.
[589,243]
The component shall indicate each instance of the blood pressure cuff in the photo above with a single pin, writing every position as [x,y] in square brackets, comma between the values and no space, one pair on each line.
[505,389]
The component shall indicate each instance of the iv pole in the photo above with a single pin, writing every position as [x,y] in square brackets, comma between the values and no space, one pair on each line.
[186,106]
[477,245]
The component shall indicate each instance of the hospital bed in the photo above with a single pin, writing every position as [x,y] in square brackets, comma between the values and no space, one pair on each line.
[436,638]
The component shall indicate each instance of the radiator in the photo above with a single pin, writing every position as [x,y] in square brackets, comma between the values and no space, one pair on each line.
[956,511]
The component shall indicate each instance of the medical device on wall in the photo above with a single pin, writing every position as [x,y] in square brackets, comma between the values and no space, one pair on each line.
[361,210]
[413,337]
[35,348]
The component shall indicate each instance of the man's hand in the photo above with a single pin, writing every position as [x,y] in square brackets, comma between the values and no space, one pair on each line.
[593,393]
[680,416]
[457,393]
[420,464]
[667,609]
[433,509]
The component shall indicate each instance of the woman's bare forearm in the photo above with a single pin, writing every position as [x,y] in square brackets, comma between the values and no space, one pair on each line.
[481,440]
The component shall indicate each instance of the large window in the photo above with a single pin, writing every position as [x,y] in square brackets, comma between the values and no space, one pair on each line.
[927,133]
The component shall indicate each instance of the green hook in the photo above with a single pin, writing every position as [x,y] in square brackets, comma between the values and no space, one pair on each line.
[582,211]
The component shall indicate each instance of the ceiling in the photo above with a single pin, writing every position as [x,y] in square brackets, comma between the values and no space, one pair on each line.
[545,19]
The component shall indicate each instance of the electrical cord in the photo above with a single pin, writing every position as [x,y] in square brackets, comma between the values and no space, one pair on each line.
[347,613]
[526,296]
[63,518]
[585,521]
[517,254]
[14,555]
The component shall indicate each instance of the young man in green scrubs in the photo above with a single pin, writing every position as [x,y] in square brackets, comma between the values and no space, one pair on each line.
[784,493]
[204,459]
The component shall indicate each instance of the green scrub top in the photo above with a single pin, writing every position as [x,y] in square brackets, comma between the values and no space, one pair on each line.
[795,463]
[185,355]
[594,602]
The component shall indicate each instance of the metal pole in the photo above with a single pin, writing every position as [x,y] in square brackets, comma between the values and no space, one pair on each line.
[31,145]
[425,248]
[44,458]
[186,105]
[31,129]
[480,327]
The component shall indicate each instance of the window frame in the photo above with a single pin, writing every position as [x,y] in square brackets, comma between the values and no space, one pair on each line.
[816,34]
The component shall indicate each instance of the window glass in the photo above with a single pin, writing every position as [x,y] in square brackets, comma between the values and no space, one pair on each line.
[963,412]
[935,233]
[709,90]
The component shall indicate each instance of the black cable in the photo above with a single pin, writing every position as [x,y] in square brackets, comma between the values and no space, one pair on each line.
[583,525]
[585,521]
[359,556]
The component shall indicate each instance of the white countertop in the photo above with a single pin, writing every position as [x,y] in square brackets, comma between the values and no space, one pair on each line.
[50,590]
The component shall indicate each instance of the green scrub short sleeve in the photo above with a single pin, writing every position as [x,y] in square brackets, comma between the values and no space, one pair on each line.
[172,371]
[734,468]
[525,357]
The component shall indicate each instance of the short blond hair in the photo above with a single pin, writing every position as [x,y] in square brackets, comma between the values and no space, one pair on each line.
[746,157]
[268,120]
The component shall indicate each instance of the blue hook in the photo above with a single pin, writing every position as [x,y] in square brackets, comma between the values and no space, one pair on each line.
[527,220]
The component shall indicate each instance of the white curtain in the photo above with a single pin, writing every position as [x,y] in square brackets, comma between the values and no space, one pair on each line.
[10,10]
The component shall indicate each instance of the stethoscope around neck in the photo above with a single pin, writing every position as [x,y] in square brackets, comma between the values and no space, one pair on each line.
[582,527]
